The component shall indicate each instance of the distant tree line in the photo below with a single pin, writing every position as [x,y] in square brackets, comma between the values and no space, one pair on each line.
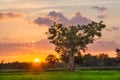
[91,60]
[87,60]
[15,65]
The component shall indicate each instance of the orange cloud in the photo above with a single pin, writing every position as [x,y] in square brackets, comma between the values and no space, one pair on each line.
[10,15]
[6,16]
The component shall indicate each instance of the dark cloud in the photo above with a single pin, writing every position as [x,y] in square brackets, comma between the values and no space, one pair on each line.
[9,15]
[60,18]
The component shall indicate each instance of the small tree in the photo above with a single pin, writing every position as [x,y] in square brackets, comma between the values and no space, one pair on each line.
[51,59]
[71,40]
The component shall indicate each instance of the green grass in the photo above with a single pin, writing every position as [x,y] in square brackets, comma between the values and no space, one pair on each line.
[63,75]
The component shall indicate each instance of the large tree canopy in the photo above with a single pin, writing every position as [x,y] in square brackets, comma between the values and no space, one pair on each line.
[71,40]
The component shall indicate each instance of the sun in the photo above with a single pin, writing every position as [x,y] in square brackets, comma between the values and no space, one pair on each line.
[36,60]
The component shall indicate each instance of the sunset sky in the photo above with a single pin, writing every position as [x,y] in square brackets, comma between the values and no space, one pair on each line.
[23,24]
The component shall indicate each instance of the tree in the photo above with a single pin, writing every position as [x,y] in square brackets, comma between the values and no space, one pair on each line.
[2,61]
[102,58]
[89,60]
[110,62]
[79,59]
[51,59]
[71,40]
[64,57]
[118,55]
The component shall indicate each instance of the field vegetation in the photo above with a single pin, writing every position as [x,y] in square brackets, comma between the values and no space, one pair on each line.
[63,75]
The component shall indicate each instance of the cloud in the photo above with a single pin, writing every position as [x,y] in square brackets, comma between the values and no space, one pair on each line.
[41,21]
[10,15]
[60,18]
[8,48]
[99,8]
[104,46]
[102,10]
[102,16]
[11,52]
[43,44]
[114,28]
[43,48]
[79,19]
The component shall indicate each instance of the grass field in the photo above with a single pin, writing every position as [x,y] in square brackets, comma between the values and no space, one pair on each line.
[63,75]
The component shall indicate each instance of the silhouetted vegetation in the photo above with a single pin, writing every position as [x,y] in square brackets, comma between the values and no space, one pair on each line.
[89,60]
[51,59]
[71,40]
[15,65]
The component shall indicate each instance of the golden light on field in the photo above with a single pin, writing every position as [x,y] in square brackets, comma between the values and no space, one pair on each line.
[36,60]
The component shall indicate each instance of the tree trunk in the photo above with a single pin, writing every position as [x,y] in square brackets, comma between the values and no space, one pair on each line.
[71,66]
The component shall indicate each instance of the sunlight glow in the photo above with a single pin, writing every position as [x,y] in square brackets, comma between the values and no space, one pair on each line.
[36,60]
